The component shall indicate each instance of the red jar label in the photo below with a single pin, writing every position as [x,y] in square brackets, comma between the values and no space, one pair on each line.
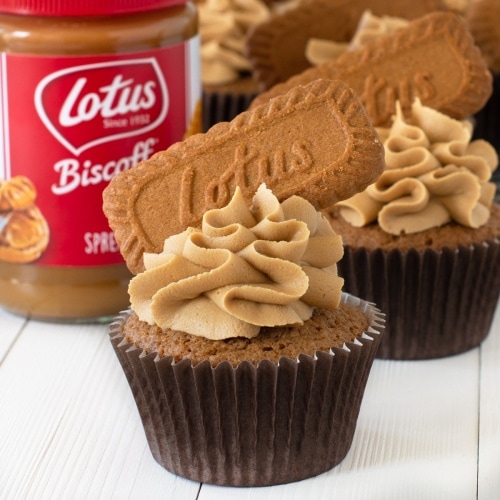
[69,124]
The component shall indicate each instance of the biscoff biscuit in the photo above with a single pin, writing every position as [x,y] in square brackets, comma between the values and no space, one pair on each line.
[276,48]
[434,58]
[316,142]
[483,17]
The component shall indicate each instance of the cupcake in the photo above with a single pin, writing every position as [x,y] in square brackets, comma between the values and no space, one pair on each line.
[246,360]
[483,17]
[423,240]
[228,86]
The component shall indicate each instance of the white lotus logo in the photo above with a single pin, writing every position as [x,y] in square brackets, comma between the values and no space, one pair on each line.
[102,102]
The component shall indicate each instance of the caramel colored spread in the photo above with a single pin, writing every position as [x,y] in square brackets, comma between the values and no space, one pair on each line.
[51,35]
[73,292]
[245,268]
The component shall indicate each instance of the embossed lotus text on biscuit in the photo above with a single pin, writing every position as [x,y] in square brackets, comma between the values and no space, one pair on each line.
[379,85]
[248,169]
[380,97]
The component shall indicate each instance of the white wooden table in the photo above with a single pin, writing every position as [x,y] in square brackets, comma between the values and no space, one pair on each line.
[69,428]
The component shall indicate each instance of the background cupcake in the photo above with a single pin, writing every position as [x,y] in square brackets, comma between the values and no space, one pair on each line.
[483,17]
[422,242]
[228,86]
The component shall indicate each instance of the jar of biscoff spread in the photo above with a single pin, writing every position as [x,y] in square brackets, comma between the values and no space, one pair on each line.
[87,89]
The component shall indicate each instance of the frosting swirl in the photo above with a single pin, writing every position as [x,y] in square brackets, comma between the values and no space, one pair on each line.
[267,265]
[434,174]
[223,27]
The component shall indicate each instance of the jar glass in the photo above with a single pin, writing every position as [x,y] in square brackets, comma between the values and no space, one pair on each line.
[87,92]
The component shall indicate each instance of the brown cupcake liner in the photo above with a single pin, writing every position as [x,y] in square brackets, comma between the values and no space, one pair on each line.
[223,107]
[487,123]
[251,426]
[437,303]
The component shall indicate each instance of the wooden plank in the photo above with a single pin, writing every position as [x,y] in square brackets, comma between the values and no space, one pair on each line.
[10,328]
[416,438]
[70,428]
[489,436]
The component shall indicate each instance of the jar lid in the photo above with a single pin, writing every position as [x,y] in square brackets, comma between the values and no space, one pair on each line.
[83,7]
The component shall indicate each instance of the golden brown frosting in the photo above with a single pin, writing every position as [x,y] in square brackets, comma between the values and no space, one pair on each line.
[268,265]
[434,174]
[369,27]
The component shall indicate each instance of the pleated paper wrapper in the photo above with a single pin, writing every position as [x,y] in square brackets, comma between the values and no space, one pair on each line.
[222,105]
[437,303]
[251,425]
[487,126]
